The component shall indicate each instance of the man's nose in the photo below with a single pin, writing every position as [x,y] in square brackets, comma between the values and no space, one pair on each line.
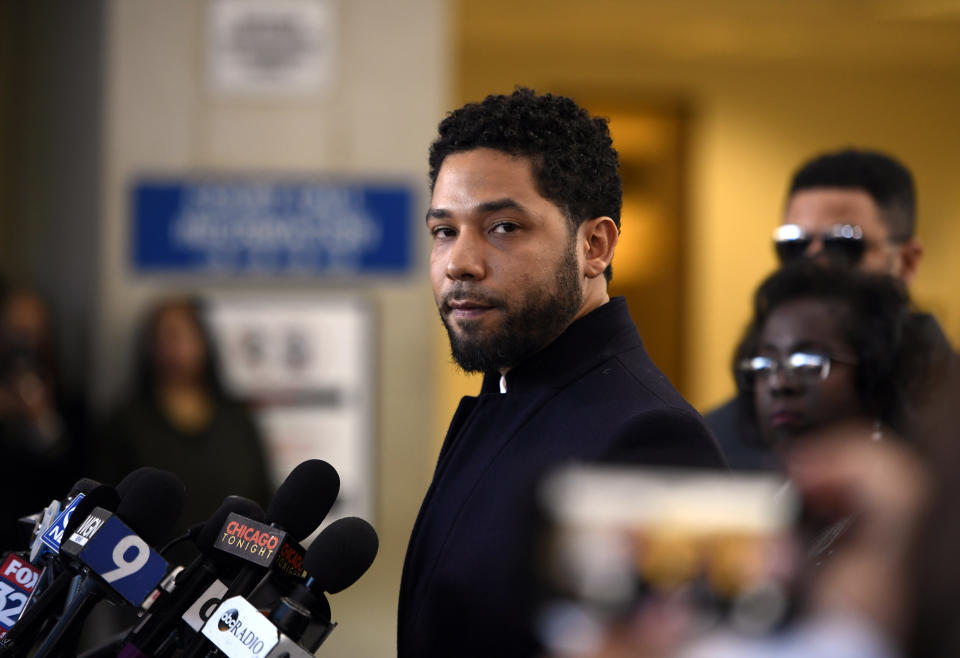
[816,252]
[466,257]
[815,248]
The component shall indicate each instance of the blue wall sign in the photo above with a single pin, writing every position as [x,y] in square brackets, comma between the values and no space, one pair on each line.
[250,227]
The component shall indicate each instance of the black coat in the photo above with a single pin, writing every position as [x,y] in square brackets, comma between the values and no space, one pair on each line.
[468,585]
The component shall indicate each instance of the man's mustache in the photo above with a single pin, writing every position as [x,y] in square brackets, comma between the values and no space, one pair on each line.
[464,293]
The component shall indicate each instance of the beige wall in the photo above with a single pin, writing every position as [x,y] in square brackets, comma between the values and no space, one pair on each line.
[749,139]
[762,94]
[160,117]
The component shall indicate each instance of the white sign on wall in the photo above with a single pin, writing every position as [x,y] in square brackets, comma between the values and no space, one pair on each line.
[305,363]
[272,47]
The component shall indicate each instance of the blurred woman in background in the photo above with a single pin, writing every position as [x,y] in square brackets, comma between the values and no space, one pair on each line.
[180,418]
[832,345]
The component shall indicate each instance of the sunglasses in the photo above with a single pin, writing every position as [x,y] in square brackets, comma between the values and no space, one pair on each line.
[843,243]
[803,367]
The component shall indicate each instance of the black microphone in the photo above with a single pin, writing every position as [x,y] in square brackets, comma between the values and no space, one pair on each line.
[113,552]
[341,553]
[45,602]
[42,543]
[26,574]
[298,507]
[300,622]
[101,495]
[159,627]
[151,501]
[304,499]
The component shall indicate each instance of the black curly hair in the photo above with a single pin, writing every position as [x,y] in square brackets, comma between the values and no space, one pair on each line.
[888,182]
[574,163]
[892,349]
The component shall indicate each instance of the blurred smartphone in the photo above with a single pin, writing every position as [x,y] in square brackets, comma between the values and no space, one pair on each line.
[616,538]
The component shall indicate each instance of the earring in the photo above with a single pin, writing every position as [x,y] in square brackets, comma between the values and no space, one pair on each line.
[877,433]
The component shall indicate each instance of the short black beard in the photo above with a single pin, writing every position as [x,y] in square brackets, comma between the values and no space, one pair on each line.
[527,328]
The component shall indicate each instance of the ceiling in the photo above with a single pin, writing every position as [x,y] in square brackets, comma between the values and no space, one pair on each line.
[844,33]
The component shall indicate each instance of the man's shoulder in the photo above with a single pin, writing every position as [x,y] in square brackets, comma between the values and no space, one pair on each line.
[635,373]
[643,418]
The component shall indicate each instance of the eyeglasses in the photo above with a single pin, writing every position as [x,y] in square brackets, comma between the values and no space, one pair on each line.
[843,243]
[804,367]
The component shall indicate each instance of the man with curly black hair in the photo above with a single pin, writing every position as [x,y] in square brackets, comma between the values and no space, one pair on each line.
[524,218]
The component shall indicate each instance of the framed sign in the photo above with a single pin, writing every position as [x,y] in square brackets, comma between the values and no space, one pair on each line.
[306,365]
[262,227]
[272,48]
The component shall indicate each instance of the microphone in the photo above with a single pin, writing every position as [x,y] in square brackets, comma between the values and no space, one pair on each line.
[41,522]
[299,505]
[18,578]
[45,600]
[115,558]
[151,500]
[297,626]
[304,499]
[47,541]
[341,553]
[337,558]
[159,628]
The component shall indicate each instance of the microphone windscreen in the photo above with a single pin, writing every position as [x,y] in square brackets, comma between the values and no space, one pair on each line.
[151,501]
[341,553]
[230,505]
[82,486]
[303,500]
[102,495]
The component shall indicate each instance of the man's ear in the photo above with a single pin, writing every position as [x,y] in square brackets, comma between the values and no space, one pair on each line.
[598,238]
[909,256]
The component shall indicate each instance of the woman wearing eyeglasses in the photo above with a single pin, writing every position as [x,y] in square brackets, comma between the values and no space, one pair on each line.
[828,345]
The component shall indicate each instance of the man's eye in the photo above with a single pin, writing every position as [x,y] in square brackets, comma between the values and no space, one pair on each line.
[442,232]
[505,227]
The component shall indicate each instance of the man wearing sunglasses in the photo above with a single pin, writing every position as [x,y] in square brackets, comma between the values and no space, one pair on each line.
[851,207]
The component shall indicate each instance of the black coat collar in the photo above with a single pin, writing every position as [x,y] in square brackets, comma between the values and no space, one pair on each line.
[589,340]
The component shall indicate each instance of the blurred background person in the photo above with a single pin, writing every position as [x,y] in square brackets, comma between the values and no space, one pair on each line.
[885,590]
[180,418]
[850,208]
[863,600]
[829,345]
[42,433]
